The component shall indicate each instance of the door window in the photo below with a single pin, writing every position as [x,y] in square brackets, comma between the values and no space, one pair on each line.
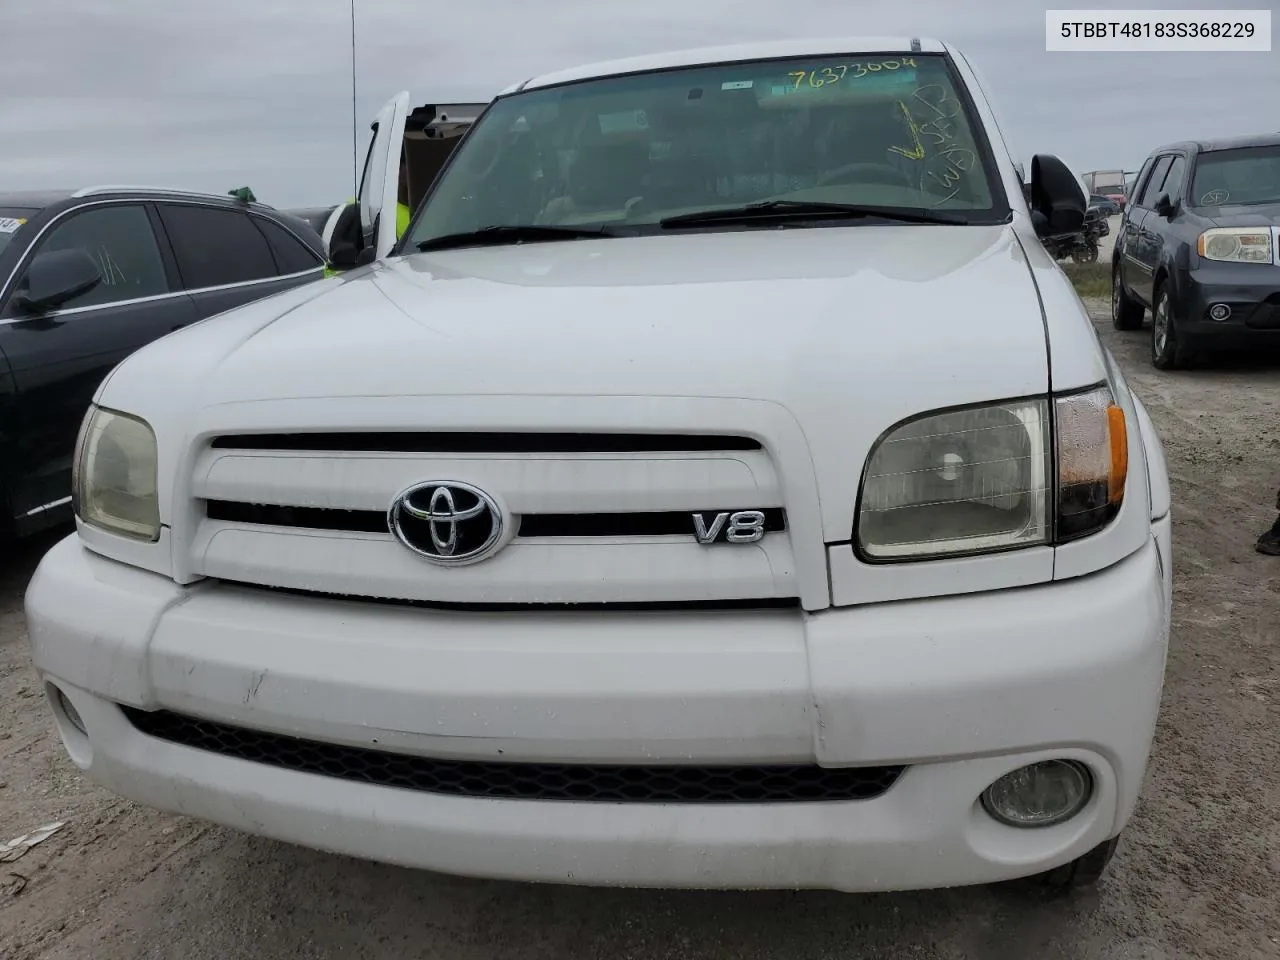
[292,255]
[1154,184]
[1140,182]
[1173,179]
[120,240]
[216,246]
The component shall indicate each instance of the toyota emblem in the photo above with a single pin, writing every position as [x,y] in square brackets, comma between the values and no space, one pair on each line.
[447,521]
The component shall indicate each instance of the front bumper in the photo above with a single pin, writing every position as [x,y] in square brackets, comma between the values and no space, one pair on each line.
[1251,291]
[961,690]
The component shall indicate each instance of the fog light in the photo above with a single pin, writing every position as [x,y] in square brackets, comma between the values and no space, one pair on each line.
[1219,311]
[63,705]
[1039,795]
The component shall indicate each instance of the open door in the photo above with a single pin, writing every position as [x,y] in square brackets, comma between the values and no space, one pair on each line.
[357,233]
[379,184]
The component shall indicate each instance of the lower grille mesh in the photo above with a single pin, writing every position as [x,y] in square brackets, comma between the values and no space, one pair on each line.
[523,781]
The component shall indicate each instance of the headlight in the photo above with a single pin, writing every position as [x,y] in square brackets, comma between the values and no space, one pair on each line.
[1236,244]
[981,479]
[114,482]
[963,481]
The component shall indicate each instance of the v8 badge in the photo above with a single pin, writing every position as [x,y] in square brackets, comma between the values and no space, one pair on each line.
[739,526]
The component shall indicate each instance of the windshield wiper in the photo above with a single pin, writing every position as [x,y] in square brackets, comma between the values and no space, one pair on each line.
[783,210]
[511,233]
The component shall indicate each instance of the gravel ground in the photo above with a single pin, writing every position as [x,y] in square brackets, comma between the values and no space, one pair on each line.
[1197,875]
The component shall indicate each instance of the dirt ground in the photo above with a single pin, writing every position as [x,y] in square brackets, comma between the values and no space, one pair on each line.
[1197,875]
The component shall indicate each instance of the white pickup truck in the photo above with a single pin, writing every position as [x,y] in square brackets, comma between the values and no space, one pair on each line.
[717,486]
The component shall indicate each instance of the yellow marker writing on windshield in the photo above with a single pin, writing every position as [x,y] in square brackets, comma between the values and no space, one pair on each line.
[916,152]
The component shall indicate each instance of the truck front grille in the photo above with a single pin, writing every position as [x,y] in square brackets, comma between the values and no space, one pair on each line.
[582,783]
[595,517]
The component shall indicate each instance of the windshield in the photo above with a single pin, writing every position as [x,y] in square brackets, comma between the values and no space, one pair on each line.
[883,131]
[11,220]
[1247,175]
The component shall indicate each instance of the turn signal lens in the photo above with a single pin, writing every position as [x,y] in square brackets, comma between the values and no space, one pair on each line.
[1093,462]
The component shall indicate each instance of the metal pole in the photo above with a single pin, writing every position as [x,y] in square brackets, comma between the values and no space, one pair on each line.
[355,140]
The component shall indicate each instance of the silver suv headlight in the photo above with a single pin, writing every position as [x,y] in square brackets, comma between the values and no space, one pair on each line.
[114,475]
[994,477]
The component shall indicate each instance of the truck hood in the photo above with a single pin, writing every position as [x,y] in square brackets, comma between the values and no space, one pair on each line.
[844,331]
[776,315]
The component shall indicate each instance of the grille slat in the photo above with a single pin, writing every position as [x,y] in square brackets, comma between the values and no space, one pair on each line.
[636,524]
[469,442]
[598,783]
[308,518]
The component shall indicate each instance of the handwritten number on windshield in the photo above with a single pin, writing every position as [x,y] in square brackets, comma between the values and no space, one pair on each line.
[826,76]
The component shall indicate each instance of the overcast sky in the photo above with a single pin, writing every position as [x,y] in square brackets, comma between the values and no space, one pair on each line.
[258,92]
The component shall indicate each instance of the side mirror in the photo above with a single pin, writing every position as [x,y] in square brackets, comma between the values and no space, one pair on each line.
[56,277]
[343,256]
[343,237]
[1165,207]
[1057,200]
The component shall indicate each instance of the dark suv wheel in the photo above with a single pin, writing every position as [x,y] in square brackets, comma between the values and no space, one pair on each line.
[1170,349]
[1126,313]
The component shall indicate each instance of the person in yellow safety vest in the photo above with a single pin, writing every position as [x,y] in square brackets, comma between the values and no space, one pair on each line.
[403,213]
